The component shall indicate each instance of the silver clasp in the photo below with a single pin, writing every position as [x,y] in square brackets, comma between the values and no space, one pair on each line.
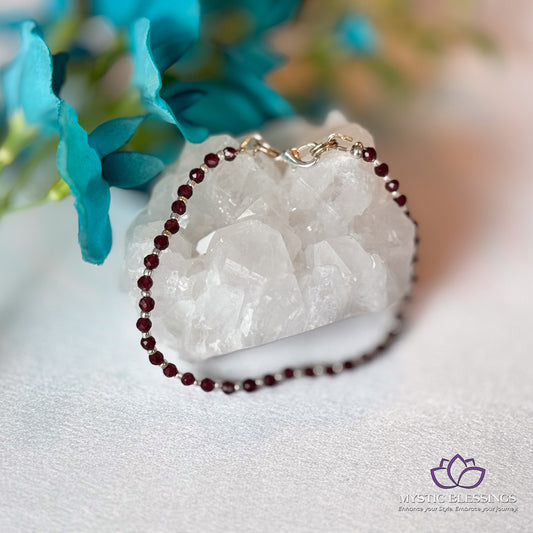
[335,141]
[306,155]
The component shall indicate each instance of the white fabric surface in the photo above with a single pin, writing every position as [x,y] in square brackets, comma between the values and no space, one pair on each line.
[95,439]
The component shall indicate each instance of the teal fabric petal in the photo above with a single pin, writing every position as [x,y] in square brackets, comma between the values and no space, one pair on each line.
[118,13]
[176,24]
[147,79]
[128,170]
[27,81]
[357,34]
[146,76]
[79,165]
[28,84]
[113,134]
[176,27]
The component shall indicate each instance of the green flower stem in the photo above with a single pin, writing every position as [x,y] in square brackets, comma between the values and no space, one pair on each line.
[57,192]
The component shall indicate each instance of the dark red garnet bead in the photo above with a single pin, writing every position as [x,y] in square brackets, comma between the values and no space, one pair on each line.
[185,191]
[148,343]
[156,358]
[228,387]
[382,170]
[172,225]
[230,153]
[179,207]
[161,242]
[145,283]
[151,261]
[207,384]
[197,175]
[392,185]
[309,371]
[369,154]
[187,379]
[146,304]
[401,200]
[144,325]
[329,370]
[211,160]
[269,380]
[170,370]
[288,373]
[347,365]
[249,385]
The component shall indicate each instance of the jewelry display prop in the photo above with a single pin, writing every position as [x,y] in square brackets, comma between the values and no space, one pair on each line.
[367,281]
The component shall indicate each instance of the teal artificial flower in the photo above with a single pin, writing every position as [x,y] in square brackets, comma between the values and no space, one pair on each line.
[87,164]
[357,34]
[256,18]
[189,79]
[236,98]
[237,101]
[176,24]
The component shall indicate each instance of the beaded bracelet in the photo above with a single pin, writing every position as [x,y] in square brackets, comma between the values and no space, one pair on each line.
[304,156]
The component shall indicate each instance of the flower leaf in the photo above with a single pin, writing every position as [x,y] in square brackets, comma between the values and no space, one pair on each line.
[128,170]
[113,134]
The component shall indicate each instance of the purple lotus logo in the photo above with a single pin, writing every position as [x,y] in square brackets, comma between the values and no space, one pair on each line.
[457,473]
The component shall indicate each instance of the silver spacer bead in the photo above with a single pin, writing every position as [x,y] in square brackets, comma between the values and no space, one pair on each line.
[319,370]
[337,367]
[357,150]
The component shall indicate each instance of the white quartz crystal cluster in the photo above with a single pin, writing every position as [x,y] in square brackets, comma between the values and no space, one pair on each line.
[267,250]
